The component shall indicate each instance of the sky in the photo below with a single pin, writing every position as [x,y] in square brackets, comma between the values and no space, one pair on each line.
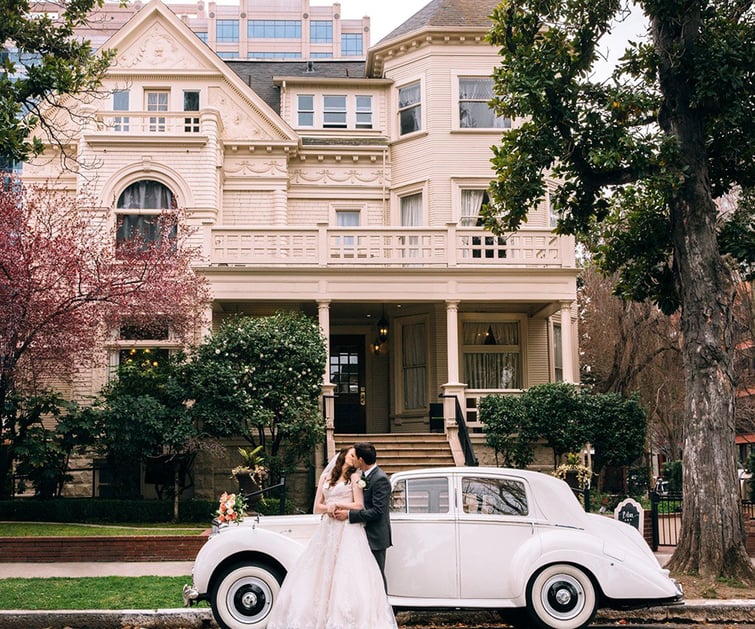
[385,15]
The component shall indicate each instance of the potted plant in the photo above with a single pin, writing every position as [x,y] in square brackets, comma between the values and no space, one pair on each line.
[252,472]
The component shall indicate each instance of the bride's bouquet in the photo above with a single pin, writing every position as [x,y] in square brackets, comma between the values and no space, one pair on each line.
[232,508]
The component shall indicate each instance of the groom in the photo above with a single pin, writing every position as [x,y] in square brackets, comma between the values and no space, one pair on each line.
[377,495]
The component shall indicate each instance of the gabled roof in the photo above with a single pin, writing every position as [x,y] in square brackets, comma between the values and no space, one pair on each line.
[450,14]
[156,40]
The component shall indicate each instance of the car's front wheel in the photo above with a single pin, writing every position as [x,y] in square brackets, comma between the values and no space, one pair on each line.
[243,595]
[561,596]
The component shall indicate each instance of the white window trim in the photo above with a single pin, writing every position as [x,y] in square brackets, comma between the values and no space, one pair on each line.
[455,121]
[422,79]
[477,317]
[345,207]
[405,191]
[318,118]
[460,184]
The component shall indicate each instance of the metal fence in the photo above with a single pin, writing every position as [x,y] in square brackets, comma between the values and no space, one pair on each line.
[666,517]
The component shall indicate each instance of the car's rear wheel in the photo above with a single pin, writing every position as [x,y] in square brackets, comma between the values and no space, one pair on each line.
[561,596]
[243,595]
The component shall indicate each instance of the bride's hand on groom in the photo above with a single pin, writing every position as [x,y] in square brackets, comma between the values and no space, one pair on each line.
[341,513]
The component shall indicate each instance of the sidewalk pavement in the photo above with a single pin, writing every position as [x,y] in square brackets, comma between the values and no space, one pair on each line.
[692,611]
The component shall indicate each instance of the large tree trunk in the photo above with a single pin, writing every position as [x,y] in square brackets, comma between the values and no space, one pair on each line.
[712,539]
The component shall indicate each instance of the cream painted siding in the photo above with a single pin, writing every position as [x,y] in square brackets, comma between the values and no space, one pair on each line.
[307,212]
[441,151]
[538,355]
[185,172]
[248,208]
[380,107]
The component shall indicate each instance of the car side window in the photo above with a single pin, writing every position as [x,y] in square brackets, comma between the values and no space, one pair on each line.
[420,495]
[493,496]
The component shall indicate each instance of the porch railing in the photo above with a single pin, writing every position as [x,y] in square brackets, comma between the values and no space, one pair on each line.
[466,443]
[423,247]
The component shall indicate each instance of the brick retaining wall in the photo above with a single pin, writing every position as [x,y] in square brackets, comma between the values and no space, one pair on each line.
[121,548]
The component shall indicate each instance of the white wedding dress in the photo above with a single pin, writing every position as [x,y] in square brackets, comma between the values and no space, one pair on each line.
[336,584]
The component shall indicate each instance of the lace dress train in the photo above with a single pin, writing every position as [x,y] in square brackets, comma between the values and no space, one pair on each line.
[336,584]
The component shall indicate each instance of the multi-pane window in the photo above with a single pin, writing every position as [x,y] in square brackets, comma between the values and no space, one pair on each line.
[191,103]
[305,110]
[268,54]
[227,31]
[202,35]
[410,108]
[492,354]
[414,366]
[351,44]
[321,32]
[228,54]
[274,29]
[334,111]
[121,123]
[138,212]
[475,112]
[364,112]
[157,102]
[321,55]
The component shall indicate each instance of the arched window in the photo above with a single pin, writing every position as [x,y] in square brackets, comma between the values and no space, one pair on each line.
[139,208]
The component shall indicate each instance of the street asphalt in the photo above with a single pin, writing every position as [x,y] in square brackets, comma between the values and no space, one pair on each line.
[709,611]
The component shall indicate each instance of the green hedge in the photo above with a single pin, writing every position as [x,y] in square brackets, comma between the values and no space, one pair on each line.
[106,510]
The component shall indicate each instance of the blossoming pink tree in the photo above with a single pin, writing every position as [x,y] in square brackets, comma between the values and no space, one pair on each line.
[64,286]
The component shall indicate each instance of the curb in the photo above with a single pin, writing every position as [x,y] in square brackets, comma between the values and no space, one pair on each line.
[698,611]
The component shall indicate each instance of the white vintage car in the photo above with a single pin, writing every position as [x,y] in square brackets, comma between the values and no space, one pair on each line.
[463,538]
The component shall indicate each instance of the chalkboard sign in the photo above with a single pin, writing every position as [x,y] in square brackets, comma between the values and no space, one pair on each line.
[630,512]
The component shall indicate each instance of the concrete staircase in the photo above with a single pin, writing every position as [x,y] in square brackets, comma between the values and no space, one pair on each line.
[404,451]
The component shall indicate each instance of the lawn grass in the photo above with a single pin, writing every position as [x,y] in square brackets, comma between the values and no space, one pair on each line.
[93,593]
[53,529]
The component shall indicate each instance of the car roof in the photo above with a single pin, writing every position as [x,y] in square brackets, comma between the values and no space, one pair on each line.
[554,498]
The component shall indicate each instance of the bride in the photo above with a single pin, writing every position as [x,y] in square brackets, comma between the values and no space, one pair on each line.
[336,584]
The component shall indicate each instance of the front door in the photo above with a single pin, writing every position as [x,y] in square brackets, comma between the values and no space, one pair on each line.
[347,374]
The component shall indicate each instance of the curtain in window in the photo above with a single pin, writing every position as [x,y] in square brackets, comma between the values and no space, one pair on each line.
[414,366]
[132,225]
[484,333]
[471,202]
[410,109]
[146,195]
[411,210]
[492,368]
[476,89]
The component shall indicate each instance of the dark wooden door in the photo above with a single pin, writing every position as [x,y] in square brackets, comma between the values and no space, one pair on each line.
[347,373]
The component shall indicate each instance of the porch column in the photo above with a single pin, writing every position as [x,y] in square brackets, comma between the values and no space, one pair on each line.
[453,390]
[328,390]
[452,341]
[567,340]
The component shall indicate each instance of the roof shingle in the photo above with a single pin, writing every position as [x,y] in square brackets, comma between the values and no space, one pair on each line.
[447,14]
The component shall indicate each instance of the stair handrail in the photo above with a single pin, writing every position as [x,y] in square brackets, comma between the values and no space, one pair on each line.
[470,460]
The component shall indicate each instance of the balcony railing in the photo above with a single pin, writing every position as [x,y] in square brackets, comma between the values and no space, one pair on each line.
[423,247]
[148,123]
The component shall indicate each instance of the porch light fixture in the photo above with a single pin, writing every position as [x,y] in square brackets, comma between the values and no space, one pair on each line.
[376,344]
[383,329]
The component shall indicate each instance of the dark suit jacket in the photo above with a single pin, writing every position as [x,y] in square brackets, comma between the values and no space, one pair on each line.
[375,514]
